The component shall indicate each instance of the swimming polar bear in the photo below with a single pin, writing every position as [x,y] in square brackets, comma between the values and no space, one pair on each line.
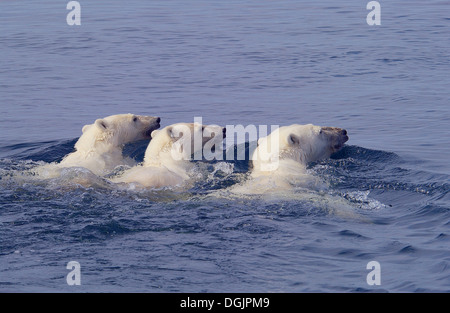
[279,170]
[99,149]
[280,160]
[167,158]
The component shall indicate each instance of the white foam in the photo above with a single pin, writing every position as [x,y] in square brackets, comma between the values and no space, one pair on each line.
[225,167]
[362,199]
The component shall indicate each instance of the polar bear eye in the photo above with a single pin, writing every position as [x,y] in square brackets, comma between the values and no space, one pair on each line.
[321,131]
[135,119]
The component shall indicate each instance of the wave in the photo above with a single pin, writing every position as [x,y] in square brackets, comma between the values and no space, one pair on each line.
[376,207]
[364,177]
[46,151]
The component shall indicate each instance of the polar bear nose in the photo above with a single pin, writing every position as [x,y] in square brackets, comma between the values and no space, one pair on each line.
[344,135]
[158,120]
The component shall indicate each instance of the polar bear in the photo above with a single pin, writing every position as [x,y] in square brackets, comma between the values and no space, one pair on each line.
[99,149]
[167,158]
[280,159]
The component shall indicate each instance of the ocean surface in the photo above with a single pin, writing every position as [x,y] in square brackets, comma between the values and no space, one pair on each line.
[231,63]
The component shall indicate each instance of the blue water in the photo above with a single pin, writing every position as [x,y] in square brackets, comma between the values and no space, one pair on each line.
[258,62]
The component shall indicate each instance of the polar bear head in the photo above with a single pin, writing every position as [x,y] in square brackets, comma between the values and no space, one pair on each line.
[115,131]
[182,140]
[299,143]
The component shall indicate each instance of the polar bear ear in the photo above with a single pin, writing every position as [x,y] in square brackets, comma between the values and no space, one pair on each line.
[85,128]
[102,124]
[261,140]
[169,131]
[154,133]
[293,140]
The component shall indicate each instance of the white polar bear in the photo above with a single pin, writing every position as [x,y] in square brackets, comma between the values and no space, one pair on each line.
[167,158]
[280,160]
[99,148]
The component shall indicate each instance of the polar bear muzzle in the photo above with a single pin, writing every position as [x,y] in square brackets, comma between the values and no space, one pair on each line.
[337,137]
[153,125]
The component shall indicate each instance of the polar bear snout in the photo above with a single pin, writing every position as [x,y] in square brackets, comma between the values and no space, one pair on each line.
[337,137]
[335,130]
[213,131]
[152,123]
[343,135]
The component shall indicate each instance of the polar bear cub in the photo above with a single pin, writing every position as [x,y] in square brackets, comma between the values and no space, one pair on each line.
[280,160]
[99,148]
[167,158]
